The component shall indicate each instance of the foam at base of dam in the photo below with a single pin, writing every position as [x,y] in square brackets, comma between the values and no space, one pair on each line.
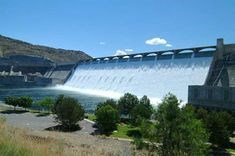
[154,78]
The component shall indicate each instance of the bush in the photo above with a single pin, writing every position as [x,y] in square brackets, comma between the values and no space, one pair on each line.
[68,111]
[140,144]
[107,118]
[148,130]
[134,133]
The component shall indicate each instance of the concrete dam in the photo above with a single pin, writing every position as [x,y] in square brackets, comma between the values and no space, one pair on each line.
[153,74]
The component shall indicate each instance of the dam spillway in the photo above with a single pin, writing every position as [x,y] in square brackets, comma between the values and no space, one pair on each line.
[152,75]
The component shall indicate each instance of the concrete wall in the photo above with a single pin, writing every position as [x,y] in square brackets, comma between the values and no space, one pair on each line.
[219,89]
[212,97]
[60,73]
[12,80]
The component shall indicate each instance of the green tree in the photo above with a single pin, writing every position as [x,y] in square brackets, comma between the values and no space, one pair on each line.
[193,135]
[107,118]
[221,126]
[68,111]
[46,103]
[126,103]
[110,102]
[25,101]
[168,119]
[202,114]
[143,110]
[178,129]
[12,101]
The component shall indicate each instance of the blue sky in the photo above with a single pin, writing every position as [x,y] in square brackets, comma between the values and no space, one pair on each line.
[103,27]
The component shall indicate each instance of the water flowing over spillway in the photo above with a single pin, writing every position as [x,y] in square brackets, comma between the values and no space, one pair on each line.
[140,76]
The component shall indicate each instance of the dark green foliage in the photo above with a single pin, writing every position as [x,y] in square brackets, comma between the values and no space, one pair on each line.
[11,100]
[140,144]
[136,133]
[220,125]
[192,133]
[68,111]
[25,101]
[110,102]
[168,118]
[107,118]
[178,130]
[148,130]
[143,110]
[126,103]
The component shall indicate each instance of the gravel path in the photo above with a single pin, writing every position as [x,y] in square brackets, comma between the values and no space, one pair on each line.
[32,121]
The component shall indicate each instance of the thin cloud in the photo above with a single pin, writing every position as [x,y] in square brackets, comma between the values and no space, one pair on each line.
[156,41]
[168,45]
[120,52]
[129,50]
[102,43]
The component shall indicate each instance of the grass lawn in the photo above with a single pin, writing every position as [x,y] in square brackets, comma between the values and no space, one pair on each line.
[231,151]
[122,131]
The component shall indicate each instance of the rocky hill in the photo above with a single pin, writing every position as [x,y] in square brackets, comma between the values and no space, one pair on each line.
[11,47]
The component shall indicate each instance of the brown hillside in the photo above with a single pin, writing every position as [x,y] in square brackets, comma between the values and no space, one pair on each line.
[9,47]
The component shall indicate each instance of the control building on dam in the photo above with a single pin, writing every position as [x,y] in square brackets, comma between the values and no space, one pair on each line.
[218,91]
[203,76]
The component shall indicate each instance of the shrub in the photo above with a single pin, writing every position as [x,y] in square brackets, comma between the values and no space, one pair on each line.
[68,111]
[139,144]
[107,118]
[136,133]
[148,130]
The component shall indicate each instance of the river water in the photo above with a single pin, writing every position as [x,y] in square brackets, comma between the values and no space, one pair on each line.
[89,102]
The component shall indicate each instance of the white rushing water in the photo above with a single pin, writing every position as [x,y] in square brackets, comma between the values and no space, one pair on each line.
[154,78]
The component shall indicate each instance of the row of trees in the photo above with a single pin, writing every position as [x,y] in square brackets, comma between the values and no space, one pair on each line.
[178,130]
[24,101]
[67,111]
[128,107]
[27,102]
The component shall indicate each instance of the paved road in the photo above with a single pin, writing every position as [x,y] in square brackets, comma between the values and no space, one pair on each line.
[31,121]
